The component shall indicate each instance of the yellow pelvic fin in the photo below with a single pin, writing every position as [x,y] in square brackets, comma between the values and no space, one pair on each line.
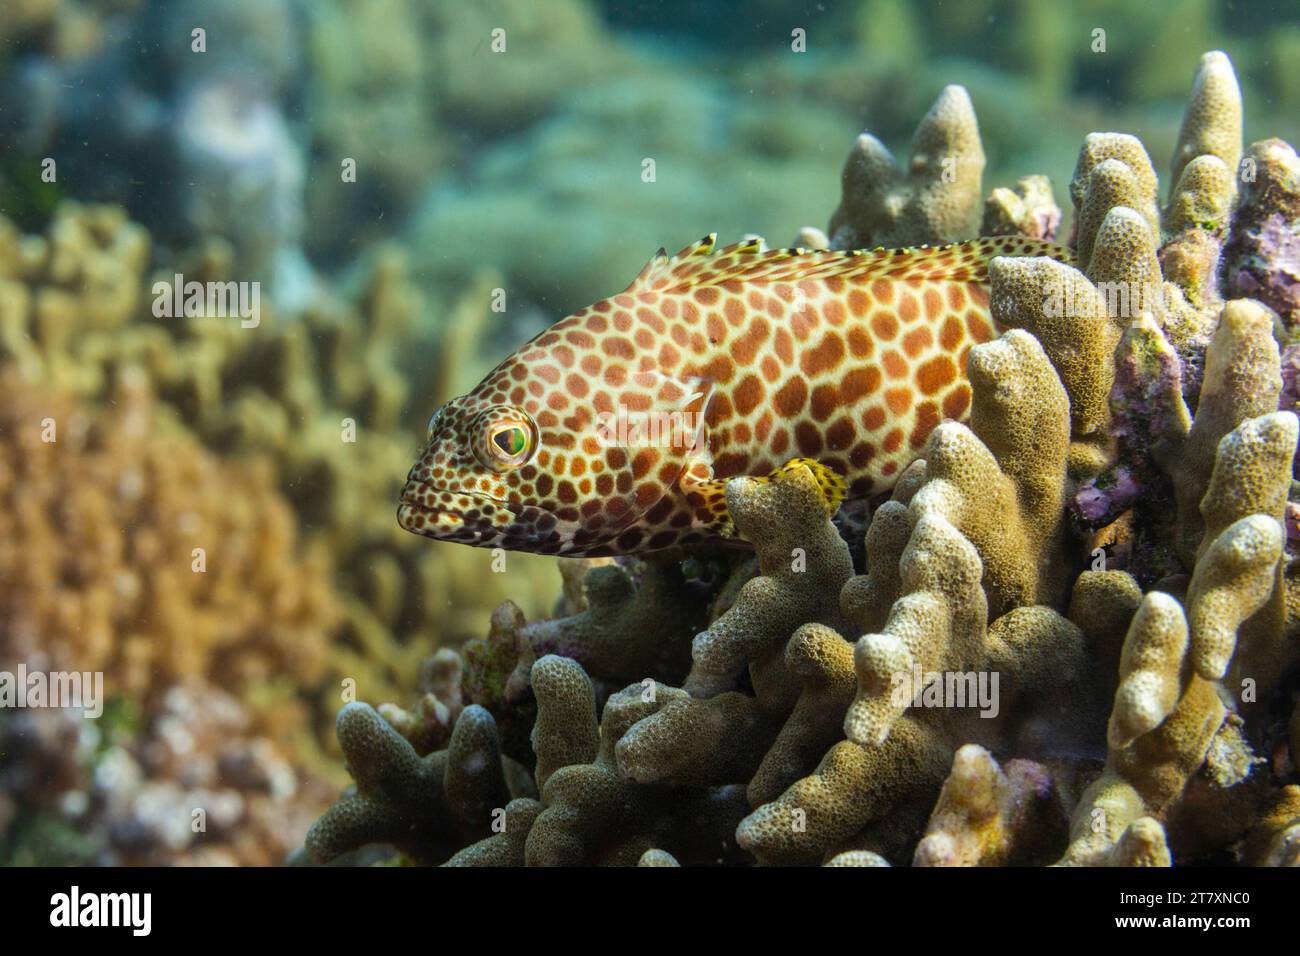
[708,496]
[832,485]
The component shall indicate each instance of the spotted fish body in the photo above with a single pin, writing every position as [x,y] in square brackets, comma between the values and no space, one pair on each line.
[615,430]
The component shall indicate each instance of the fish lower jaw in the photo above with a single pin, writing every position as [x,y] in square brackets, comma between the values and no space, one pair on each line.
[463,519]
[429,522]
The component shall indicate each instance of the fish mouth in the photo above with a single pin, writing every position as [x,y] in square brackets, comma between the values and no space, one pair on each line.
[416,514]
[476,519]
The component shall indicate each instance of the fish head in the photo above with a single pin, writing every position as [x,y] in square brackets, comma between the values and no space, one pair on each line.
[494,474]
[466,485]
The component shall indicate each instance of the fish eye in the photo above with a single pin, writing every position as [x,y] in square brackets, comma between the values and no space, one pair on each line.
[510,443]
[433,422]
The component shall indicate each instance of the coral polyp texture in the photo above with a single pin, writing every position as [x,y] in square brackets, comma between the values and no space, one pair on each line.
[1069,635]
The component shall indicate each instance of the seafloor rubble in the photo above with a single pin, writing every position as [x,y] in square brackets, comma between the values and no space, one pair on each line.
[1108,535]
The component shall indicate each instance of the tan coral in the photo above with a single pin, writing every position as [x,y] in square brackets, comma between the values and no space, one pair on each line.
[1211,125]
[1166,718]
[1125,267]
[787,523]
[657,858]
[857,858]
[565,731]
[986,816]
[1234,578]
[593,815]
[851,787]
[1002,482]
[867,598]
[938,623]
[76,312]
[1138,193]
[649,606]
[428,726]
[1252,476]
[939,615]
[1102,605]
[936,200]
[1119,278]
[1028,210]
[1151,665]
[1202,196]
[694,742]
[230,439]
[1275,838]
[1242,380]
[426,806]
[127,548]
[823,662]
[969,566]
[504,848]
[1111,184]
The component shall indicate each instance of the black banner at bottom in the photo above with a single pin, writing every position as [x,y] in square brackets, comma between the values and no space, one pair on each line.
[332,905]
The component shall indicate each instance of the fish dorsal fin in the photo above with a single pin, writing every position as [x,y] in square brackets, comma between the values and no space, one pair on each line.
[658,272]
[966,261]
[699,258]
[657,266]
[699,265]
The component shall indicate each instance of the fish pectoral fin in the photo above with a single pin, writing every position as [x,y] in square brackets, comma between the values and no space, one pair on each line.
[830,483]
[708,496]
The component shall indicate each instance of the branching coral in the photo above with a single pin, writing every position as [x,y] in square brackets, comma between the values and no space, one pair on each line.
[778,600]
[507,847]
[645,603]
[1275,839]
[952,566]
[593,813]
[936,200]
[1211,130]
[1166,718]
[1262,256]
[183,503]
[1028,210]
[1242,380]
[651,600]
[427,806]
[989,817]
[822,661]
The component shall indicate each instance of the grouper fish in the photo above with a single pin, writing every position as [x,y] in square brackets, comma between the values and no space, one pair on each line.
[616,430]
